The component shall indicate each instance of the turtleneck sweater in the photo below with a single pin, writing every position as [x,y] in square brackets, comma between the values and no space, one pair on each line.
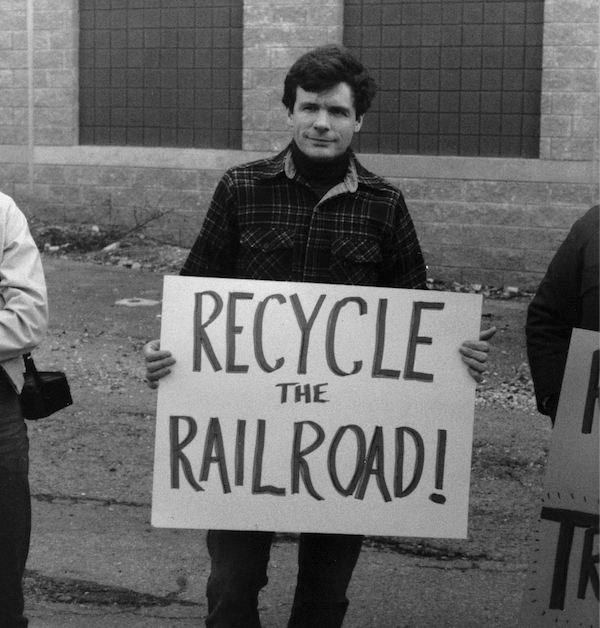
[321,175]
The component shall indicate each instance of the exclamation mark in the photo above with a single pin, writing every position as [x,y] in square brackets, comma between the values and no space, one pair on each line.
[439,468]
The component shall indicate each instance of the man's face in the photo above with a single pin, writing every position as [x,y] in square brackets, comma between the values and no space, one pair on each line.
[323,123]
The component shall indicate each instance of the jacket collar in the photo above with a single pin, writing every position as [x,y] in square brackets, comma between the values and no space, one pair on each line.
[283,164]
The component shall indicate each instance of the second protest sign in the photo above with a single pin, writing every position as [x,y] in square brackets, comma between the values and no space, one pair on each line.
[314,408]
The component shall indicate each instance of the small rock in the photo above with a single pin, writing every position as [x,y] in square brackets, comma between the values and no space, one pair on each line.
[136,302]
[110,248]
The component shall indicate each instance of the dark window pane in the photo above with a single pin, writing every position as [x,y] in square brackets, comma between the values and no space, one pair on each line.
[161,73]
[466,75]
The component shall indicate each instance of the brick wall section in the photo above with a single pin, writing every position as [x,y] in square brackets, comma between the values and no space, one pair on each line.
[13,72]
[115,195]
[54,77]
[570,80]
[55,61]
[478,237]
[276,33]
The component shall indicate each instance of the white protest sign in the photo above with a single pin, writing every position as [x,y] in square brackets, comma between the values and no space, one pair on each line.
[314,408]
[562,583]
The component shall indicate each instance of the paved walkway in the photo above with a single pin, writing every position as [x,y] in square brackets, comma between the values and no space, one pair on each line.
[165,572]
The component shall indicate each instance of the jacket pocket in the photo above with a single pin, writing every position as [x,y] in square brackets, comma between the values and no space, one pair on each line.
[355,262]
[266,253]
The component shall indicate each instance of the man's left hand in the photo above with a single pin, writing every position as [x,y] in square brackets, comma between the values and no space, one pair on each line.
[474,354]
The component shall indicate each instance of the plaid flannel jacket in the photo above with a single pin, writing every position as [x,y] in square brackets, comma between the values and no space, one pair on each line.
[266,222]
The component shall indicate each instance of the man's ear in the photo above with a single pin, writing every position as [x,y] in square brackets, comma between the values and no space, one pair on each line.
[289,117]
[358,124]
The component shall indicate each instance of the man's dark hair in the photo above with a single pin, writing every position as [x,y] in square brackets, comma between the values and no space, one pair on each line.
[325,67]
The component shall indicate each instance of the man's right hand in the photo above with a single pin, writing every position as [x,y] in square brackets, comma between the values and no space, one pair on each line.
[158,363]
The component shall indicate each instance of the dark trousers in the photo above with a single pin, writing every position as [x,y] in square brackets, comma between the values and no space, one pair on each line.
[15,508]
[239,571]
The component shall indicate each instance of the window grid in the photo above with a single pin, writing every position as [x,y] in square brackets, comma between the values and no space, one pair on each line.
[161,73]
[455,77]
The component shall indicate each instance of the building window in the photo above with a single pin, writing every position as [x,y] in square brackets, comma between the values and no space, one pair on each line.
[456,77]
[161,73]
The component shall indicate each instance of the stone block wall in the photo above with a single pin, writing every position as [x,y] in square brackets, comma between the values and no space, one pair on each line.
[276,33]
[480,238]
[13,73]
[55,62]
[164,203]
[570,81]
[106,186]
[480,220]
[41,35]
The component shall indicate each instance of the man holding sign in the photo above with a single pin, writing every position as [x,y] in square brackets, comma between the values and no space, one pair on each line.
[313,214]
[567,298]
[562,345]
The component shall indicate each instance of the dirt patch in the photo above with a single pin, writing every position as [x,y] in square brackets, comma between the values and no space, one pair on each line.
[111,245]
[71,591]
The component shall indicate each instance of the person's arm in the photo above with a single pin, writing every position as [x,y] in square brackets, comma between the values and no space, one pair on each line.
[214,252]
[551,316]
[403,265]
[589,300]
[23,294]
[548,332]
[590,305]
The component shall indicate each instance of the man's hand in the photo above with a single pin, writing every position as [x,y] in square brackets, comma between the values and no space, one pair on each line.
[158,363]
[474,354]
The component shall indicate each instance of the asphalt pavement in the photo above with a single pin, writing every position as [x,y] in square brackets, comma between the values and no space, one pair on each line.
[96,561]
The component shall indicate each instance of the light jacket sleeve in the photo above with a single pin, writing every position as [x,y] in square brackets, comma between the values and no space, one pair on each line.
[23,295]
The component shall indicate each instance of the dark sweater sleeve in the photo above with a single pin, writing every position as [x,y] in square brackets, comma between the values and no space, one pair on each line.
[550,321]
[562,302]
[590,278]
[403,263]
[214,254]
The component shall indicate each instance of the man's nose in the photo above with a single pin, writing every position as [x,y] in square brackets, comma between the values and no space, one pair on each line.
[322,120]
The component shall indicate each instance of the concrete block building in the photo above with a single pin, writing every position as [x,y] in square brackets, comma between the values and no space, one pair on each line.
[486,116]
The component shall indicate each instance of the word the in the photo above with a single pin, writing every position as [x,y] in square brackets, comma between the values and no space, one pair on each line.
[302,392]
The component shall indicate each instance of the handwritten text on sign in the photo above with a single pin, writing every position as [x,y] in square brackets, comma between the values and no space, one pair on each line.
[316,408]
[562,587]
